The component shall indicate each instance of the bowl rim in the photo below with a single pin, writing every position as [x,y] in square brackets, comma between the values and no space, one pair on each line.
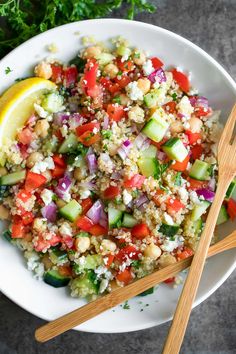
[214,62]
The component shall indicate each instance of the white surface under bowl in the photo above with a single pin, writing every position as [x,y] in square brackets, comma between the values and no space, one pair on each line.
[211,80]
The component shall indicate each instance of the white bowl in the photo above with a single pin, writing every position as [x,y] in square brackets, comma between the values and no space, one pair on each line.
[210,78]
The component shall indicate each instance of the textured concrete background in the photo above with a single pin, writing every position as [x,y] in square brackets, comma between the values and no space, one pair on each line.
[212,25]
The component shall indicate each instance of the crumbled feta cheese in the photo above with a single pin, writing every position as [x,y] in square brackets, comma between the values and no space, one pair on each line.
[65,229]
[84,193]
[41,112]
[127,197]
[134,92]
[46,196]
[169,245]
[103,285]
[185,107]
[64,130]
[105,163]
[42,166]
[183,193]
[168,219]
[148,68]
[194,197]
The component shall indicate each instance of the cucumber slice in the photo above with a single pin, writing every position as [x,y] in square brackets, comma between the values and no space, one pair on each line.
[155,129]
[7,235]
[147,292]
[12,178]
[104,58]
[57,256]
[86,284]
[114,216]
[53,278]
[122,50]
[175,149]
[223,215]
[151,99]
[89,262]
[231,191]
[199,210]
[71,210]
[52,102]
[169,230]
[128,220]
[149,153]
[199,170]
[69,144]
[192,228]
[148,167]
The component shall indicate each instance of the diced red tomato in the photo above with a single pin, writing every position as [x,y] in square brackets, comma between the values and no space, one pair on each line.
[33,181]
[108,260]
[123,81]
[89,138]
[111,192]
[25,136]
[181,166]
[181,79]
[109,85]
[96,92]
[86,204]
[170,107]
[88,127]
[201,111]
[105,82]
[155,198]
[174,205]
[192,137]
[18,228]
[58,171]
[27,218]
[231,208]
[90,76]
[187,252]
[196,151]
[70,76]
[160,143]
[98,230]
[59,160]
[134,182]
[169,280]
[195,184]
[57,73]
[125,66]
[140,231]
[23,195]
[42,242]
[59,136]
[84,223]
[68,241]
[129,251]
[156,63]
[115,112]
[54,240]
[125,276]
[65,270]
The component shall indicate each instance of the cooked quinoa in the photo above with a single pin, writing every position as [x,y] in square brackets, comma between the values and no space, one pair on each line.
[113,174]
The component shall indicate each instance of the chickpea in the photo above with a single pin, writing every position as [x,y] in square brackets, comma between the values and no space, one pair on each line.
[166,259]
[82,244]
[43,70]
[152,251]
[111,70]
[176,127]
[3,171]
[139,58]
[4,213]
[33,158]
[125,100]
[47,262]
[195,124]
[108,246]
[144,85]
[39,225]
[41,128]
[80,173]
[92,52]
[60,203]
[47,174]
[136,114]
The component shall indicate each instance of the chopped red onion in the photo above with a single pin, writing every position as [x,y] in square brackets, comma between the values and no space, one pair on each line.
[145,145]
[103,219]
[60,118]
[212,184]
[91,186]
[92,163]
[50,212]
[32,119]
[75,120]
[202,102]
[140,200]
[63,186]
[123,151]
[139,141]
[161,155]
[105,122]
[206,193]
[116,176]
[134,128]
[94,212]
[157,76]
[193,100]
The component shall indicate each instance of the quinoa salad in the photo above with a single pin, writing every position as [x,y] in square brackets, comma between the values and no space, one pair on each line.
[112,175]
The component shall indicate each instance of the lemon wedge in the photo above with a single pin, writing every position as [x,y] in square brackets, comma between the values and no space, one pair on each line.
[17,104]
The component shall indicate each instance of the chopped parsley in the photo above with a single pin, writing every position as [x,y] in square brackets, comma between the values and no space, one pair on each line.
[137,55]
[106,134]
[8,70]
[136,264]
[161,168]
[117,99]
[126,305]
[174,96]
[178,179]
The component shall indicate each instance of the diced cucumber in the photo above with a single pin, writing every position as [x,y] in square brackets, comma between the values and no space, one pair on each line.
[71,210]
[199,170]
[52,277]
[192,228]
[231,191]
[7,235]
[148,167]
[199,210]
[4,191]
[169,230]
[122,50]
[50,145]
[147,292]
[12,178]
[223,215]
[155,129]
[52,102]
[76,161]
[85,285]
[57,256]
[151,99]
[69,144]
[89,262]
[128,220]
[104,58]
[149,153]
[175,149]
[114,216]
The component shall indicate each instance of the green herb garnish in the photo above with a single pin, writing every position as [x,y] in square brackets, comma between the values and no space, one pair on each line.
[8,70]
[174,96]
[126,305]
[106,134]
[178,179]
[117,99]
[136,264]
[161,168]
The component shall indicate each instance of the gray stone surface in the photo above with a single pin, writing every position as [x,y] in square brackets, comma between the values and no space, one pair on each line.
[211,25]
